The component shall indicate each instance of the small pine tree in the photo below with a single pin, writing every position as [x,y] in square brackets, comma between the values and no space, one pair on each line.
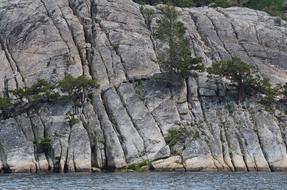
[77,88]
[265,87]
[41,90]
[22,93]
[240,73]
[41,87]
[178,57]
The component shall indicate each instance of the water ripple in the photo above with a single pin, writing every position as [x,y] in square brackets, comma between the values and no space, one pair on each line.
[145,181]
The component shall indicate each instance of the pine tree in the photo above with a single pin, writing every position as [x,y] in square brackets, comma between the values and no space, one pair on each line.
[178,57]
[238,72]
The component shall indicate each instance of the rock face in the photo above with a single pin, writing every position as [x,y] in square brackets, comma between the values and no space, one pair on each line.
[131,112]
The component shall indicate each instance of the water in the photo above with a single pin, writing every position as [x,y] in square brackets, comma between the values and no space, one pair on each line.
[145,181]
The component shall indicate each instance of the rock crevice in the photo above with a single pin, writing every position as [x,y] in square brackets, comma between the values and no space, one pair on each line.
[128,118]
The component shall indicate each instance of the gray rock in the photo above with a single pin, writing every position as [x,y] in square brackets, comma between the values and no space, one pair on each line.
[114,152]
[167,116]
[79,150]
[16,149]
[136,105]
[96,136]
[124,25]
[170,164]
[131,140]
[271,141]
[155,146]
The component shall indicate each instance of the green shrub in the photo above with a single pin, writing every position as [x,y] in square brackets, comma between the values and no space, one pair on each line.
[139,167]
[21,93]
[44,145]
[148,15]
[265,87]
[273,7]
[71,117]
[176,135]
[5,103]
[270,92]
[116,47]
[185,3]
[179,135]
[139,88]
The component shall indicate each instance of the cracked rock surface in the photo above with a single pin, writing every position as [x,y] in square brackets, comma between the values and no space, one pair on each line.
[129,116]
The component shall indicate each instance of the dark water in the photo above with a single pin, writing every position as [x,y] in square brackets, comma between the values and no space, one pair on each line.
[145,181]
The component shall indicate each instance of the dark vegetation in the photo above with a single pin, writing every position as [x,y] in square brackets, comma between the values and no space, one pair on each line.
[75,90]
[177,135]
[139,167]
[240,73]
[245,77]
[177,58]
[274,7]
[43,145]
[247,80]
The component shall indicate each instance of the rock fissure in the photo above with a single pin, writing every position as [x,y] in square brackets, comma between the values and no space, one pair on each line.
[8,58]
[219,37]
[54,23]
[225,148]
[229,149]
[204,37]
[67,164]
[79,51]
[15,62]
[131,112]
[114,46]
[131,118]
[112,121]
[242,151]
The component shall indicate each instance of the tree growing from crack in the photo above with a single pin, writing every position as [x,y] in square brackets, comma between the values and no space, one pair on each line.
[74,89]
[246,78]
[177,57]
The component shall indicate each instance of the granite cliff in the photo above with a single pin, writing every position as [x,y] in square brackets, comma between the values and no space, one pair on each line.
[129,116]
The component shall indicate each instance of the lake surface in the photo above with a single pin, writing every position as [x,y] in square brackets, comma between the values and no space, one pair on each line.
[145,181]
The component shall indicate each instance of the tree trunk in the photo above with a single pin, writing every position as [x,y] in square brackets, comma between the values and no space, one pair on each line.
[241,92]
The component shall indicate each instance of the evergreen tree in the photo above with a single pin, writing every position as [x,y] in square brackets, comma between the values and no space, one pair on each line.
[238,72]
[40,91]
[77,88]
[178,57]
[274,7]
